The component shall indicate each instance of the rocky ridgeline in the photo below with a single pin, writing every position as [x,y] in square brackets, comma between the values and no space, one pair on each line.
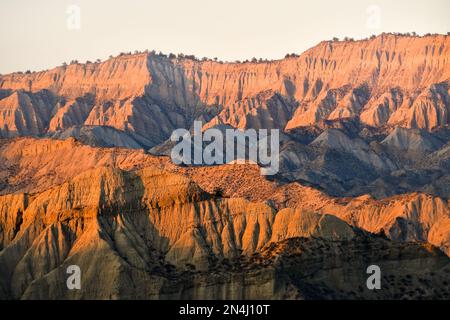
[364,176]
[389,80]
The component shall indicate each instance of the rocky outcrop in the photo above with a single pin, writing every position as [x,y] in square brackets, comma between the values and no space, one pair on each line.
[31,166]
[412,141]
[130,214]
[351,161]
[148,227]
[389,80]
[115,79]
[102,136]
[25,113]
[364,176]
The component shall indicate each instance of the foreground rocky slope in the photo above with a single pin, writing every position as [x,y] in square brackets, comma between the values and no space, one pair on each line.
[140,227]
[31,165]
[151,234]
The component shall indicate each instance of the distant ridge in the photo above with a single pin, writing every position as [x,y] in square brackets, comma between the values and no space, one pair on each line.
[388,80]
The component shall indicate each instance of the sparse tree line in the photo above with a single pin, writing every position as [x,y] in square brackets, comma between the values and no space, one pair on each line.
[192,57]
[398,34]
[179,56]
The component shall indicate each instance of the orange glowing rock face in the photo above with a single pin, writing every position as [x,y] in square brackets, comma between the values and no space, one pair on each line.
[389,80]
[359,182]
[85,217]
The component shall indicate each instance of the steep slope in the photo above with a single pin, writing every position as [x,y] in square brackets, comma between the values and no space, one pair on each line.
[26,113]
[389,80]
[412,141]
[31,166]
[337,140]
[364,176]
[102,136]
[133,214]
[136,234]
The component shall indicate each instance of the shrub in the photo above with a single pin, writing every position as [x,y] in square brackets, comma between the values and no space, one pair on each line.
[218,192]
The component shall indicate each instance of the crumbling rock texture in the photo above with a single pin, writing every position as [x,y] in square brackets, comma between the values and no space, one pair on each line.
[140,227]
[85,177]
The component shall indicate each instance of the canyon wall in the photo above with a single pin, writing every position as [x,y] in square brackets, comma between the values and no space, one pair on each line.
[154,234]
[386,81]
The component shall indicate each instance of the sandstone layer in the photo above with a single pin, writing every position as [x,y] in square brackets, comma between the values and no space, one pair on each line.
[86,180]
[153,234]
[140,227]
[386,81]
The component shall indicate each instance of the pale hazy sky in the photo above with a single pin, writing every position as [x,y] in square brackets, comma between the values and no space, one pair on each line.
[40,34]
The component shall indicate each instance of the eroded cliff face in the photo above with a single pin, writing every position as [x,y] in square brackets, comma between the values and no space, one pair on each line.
[115,79]
[389,80]
[141,227]
[33,165]
[153,234]
[134,217]
[360,118]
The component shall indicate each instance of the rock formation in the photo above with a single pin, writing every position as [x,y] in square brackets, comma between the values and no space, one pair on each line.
[144,227]
[389,80]
[133,218]
[85,177]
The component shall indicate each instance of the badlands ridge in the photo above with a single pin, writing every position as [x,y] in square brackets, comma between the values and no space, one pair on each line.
[364,176]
